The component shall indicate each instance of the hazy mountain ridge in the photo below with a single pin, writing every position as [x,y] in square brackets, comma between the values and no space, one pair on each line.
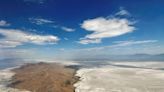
[135,57]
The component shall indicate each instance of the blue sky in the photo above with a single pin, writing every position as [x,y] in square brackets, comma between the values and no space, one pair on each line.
[76,28]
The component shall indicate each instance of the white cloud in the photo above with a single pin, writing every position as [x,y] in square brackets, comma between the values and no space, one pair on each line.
[14,37]
[102,27]
[86,41]
[40,21]
[128,43]
[67,29]
[123,12]
[3,23]
[105,28]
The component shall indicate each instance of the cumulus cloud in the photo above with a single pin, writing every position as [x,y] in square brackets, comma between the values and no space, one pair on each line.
[4,23]
[102,27]
[105,28]
[14,37]
[40,21]
[67,29]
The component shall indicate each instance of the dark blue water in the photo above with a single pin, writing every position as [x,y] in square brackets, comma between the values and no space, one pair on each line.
[8,63]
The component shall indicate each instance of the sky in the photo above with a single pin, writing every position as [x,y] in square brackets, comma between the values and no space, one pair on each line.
[62,29]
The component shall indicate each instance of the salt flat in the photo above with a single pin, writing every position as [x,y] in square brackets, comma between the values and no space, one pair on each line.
[120,79]
[5,77]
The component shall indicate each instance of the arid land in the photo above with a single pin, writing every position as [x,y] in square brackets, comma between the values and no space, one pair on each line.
[44,77]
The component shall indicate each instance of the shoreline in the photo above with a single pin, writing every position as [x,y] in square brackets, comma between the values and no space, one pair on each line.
[30,77]
[86,79]
[5,79]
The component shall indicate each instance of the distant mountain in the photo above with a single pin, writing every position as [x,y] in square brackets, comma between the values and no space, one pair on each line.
[10,62]
[158,57]
[135,57]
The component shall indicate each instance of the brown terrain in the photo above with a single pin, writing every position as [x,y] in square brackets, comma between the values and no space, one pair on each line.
[44,77]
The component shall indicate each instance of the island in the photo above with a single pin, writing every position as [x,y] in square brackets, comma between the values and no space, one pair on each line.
[44,77]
